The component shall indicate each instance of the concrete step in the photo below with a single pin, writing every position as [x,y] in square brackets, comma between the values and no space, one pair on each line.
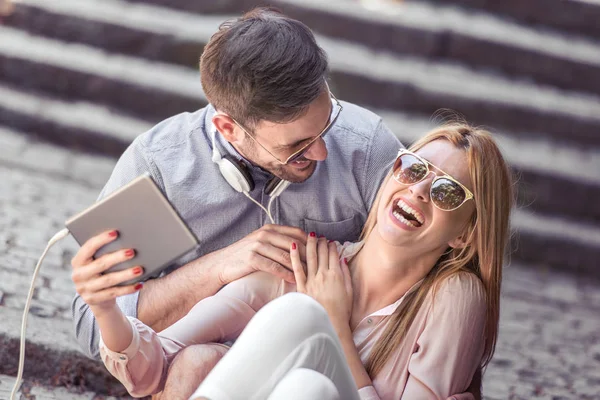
[52,356]
[360,75]
[435,32]
[35,390]
[576,16]
[78,125]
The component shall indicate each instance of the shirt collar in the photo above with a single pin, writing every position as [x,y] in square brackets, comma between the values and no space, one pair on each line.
[390,309]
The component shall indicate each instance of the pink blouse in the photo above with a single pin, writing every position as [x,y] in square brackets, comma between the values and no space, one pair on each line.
[437,358]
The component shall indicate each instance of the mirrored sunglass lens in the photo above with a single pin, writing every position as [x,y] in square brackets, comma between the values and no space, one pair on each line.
[409,169]
[447,194]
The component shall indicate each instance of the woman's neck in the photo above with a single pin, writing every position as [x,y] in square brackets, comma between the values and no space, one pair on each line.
[383,273]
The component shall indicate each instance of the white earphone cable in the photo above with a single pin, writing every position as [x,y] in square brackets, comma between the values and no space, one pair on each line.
[269,209]
[261,206]
[56,238]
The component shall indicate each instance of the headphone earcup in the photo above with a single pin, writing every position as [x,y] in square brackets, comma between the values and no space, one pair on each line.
[275,186]
[236,174]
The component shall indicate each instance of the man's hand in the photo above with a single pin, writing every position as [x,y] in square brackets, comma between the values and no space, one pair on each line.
[266,249]
[165,300]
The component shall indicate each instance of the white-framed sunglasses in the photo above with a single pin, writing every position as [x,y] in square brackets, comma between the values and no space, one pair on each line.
[446,193]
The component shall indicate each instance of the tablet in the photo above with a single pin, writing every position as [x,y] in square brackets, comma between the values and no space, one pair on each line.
[146,221]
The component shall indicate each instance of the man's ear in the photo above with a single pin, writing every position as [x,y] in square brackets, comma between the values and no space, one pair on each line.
[227,128]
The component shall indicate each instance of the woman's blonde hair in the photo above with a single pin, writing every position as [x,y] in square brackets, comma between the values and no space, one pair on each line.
[486,234]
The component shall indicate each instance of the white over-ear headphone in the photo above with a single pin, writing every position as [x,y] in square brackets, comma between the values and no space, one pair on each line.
[237,175]
[235,172]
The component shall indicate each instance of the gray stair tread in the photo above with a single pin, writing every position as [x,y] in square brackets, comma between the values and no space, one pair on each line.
[577,16]
[440,79]
[86,116]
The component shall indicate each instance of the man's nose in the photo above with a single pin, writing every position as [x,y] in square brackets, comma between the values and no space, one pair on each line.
[317,151]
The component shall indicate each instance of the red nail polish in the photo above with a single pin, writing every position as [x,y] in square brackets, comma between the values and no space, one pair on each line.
[345,261]
[293,245]
[138,286]
[138,270]
[129,253]
[312,234]
[321,236]
[329,241]
[113,233]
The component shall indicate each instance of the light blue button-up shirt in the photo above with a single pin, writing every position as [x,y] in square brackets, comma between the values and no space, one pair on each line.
[177,153]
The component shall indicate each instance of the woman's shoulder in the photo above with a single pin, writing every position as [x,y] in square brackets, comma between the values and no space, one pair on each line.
[463,290]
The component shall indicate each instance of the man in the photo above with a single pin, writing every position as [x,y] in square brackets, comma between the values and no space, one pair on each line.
[270,109]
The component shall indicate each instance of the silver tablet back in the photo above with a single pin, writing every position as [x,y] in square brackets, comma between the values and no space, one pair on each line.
[146,222]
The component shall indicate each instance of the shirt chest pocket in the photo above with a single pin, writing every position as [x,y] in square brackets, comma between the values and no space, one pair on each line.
[346,230]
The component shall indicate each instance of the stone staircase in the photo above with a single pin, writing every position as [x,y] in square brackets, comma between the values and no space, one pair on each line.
[94,74]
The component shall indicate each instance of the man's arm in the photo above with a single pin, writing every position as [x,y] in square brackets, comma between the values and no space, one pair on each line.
[165,300]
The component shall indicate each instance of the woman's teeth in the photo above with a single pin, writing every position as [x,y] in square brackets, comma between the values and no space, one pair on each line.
[415,219]
[400,218]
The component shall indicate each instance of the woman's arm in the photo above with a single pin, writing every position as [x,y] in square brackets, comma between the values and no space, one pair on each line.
[451,344]
[141,365]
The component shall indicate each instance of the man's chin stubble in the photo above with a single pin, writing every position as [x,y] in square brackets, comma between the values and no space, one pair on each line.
[284,174]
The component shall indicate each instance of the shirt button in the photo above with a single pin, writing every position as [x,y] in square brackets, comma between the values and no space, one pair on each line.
[369,321]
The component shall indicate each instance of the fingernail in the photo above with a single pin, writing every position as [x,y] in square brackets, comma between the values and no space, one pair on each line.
[312,234]
[321,236]
[293,245]
[345,261]
[129,253]
[113,233]
[138,286]
[138,270]
[329,241]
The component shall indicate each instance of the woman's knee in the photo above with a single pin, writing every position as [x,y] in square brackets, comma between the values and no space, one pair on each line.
[299,313]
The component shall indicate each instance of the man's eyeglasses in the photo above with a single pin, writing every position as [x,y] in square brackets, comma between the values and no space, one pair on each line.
[335,113]
[446,193]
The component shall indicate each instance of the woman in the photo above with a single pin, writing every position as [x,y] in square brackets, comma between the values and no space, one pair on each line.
[413,307]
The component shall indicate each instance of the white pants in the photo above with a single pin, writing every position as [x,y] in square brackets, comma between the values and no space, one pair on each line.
[288,351]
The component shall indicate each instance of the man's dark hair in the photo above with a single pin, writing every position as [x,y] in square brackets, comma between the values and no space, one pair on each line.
[263,66]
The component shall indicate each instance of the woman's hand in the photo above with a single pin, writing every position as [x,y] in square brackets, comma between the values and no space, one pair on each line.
[326,279]
[98,290]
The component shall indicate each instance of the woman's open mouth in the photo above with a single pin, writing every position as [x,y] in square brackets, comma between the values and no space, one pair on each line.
[407,215]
